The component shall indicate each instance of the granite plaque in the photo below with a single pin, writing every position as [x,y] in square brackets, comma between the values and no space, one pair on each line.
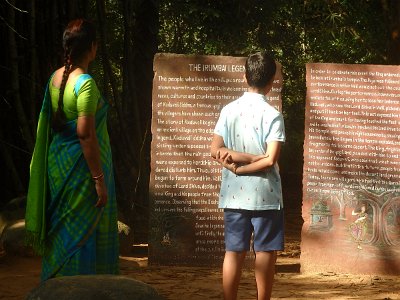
[186,226]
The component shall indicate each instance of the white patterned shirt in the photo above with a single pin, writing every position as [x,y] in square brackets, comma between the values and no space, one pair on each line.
[247,125]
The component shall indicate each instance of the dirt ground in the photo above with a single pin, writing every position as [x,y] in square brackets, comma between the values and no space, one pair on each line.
[19,275]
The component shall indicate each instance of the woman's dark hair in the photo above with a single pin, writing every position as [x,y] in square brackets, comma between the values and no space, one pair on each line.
[260,69]
[78,38]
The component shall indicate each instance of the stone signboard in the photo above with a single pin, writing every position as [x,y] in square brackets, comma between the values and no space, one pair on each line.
[186,226]
[351,178]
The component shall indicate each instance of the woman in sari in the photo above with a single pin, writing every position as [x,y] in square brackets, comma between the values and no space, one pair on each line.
[71,217]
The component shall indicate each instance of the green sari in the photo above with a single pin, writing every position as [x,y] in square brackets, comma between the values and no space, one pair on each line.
[62,222]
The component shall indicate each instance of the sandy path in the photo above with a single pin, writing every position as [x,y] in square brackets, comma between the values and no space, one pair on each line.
[19,275]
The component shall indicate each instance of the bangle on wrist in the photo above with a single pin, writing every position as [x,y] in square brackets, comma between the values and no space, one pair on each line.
[234,169]
[98,177]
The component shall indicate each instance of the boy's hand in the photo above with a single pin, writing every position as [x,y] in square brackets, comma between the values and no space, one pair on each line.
[226,161]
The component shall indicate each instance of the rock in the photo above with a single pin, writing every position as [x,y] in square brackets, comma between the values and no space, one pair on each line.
[94,287]
[12,212]
[12,232]
[12,240]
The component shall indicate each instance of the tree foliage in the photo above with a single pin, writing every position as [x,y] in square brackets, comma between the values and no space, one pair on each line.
[295,32]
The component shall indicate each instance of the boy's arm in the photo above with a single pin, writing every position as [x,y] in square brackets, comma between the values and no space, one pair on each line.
[270,158]
[218,148]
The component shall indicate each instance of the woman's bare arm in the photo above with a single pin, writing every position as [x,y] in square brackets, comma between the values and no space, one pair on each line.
[86,132]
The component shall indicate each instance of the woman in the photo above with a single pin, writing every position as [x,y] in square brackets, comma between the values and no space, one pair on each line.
[71,216]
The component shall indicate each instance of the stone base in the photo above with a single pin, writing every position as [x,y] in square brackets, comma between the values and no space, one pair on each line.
[329,251]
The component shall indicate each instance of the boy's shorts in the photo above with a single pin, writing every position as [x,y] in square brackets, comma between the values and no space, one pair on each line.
[267,225]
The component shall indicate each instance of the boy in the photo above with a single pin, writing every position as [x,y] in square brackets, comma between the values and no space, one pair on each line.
[247,142]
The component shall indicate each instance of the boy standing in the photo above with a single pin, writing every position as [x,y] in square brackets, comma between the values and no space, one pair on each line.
[247,142]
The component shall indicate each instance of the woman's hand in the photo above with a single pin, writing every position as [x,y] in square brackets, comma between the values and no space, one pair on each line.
[101,190]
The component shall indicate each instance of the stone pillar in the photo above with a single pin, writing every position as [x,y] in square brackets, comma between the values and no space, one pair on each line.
[351,178]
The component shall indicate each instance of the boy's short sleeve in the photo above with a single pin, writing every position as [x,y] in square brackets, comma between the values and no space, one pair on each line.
[221,128]
[88,97]
[277,130]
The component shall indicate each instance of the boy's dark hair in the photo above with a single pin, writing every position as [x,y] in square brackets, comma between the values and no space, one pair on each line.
[260,69]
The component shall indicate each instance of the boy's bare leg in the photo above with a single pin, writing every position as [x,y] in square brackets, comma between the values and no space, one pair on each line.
[264,272]
[231,273]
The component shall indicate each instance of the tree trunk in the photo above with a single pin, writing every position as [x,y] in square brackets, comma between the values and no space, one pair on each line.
[15,85]
[123,153]
[116,99]
[103,49]
[130,103]
[141,23]
[11,169]
[33,67]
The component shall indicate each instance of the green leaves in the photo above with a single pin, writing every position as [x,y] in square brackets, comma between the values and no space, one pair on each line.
[295,32]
